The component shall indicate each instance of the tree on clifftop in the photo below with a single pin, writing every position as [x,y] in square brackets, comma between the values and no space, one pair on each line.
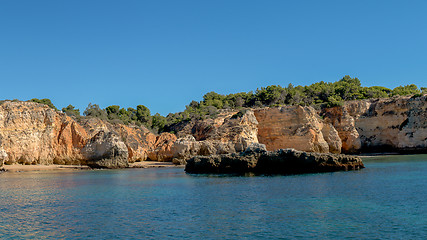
[406,90]
[143,115]
[71,111]
[45,101]
[93,110]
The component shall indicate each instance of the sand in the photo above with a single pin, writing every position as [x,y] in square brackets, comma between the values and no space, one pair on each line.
[153,164]
[30,168]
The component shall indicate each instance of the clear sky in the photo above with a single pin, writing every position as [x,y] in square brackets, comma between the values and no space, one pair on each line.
[163,54]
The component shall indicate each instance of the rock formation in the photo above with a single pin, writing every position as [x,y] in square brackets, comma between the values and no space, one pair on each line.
[3,156]
[283,161]
[162,148]
[105,150]
[395,124]
[228,133]
[32,133]
[296,127]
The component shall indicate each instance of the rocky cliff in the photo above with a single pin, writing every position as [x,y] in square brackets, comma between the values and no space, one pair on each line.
[396,124]
[296,127]
[228,133]
[32,133]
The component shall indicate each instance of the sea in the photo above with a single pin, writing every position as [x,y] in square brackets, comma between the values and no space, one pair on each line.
[386,200]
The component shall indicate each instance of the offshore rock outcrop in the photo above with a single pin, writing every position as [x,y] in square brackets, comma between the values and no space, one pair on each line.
[282,161]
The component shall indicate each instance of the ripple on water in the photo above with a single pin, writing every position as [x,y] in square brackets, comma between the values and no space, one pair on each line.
[385,200]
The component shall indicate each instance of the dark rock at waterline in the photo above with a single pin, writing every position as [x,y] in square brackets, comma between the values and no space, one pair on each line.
[282,161]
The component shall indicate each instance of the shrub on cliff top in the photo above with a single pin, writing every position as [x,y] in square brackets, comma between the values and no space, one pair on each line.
[45,101]
[93,110]
[406,90]
[71,111]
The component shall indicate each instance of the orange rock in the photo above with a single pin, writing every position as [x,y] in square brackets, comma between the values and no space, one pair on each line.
[32,133]
[291,127]
[377,125]
[162,148]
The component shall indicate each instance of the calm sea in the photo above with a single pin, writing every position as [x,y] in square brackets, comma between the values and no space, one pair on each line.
[387,200]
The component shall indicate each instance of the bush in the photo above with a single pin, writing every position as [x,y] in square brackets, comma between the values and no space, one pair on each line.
[93,110]
[45,101]
[71,111]
[239,114]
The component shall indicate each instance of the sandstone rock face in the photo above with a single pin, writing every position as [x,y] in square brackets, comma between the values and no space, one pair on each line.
[283,161]
[32,133]
[162,148]
[343,119]
[331,136]
[106,150]
[227,126]
[138,140]
[295,127]
[187,147]
[397,124]
[228,133]
[3,156]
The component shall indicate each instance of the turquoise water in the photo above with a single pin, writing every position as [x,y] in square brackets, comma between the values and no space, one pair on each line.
[387,200]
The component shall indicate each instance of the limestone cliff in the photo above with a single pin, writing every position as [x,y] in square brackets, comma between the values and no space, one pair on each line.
[32,133]
[228,133]
[377,125]
[396,124]
[296,127]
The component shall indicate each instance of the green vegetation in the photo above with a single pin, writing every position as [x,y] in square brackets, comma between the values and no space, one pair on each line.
[44,101]
[139,116]
[93,110]
[319,95]
[71,111]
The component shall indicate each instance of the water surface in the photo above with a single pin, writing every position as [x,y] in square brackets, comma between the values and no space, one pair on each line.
[387,200]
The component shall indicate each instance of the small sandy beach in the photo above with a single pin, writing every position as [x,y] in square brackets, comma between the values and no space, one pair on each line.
[30,168]
[152,164]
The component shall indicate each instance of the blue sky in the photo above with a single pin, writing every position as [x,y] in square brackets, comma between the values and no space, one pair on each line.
[163,54]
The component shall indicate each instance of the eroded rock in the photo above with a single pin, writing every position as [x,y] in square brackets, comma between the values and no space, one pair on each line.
[397,124]
[282,161]
[291,127]
[3,156]
[106,150]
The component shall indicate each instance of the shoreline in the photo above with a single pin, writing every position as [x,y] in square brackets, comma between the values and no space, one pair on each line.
[53,167]
[143,164]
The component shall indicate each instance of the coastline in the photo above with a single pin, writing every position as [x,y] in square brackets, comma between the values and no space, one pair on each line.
[53,167]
